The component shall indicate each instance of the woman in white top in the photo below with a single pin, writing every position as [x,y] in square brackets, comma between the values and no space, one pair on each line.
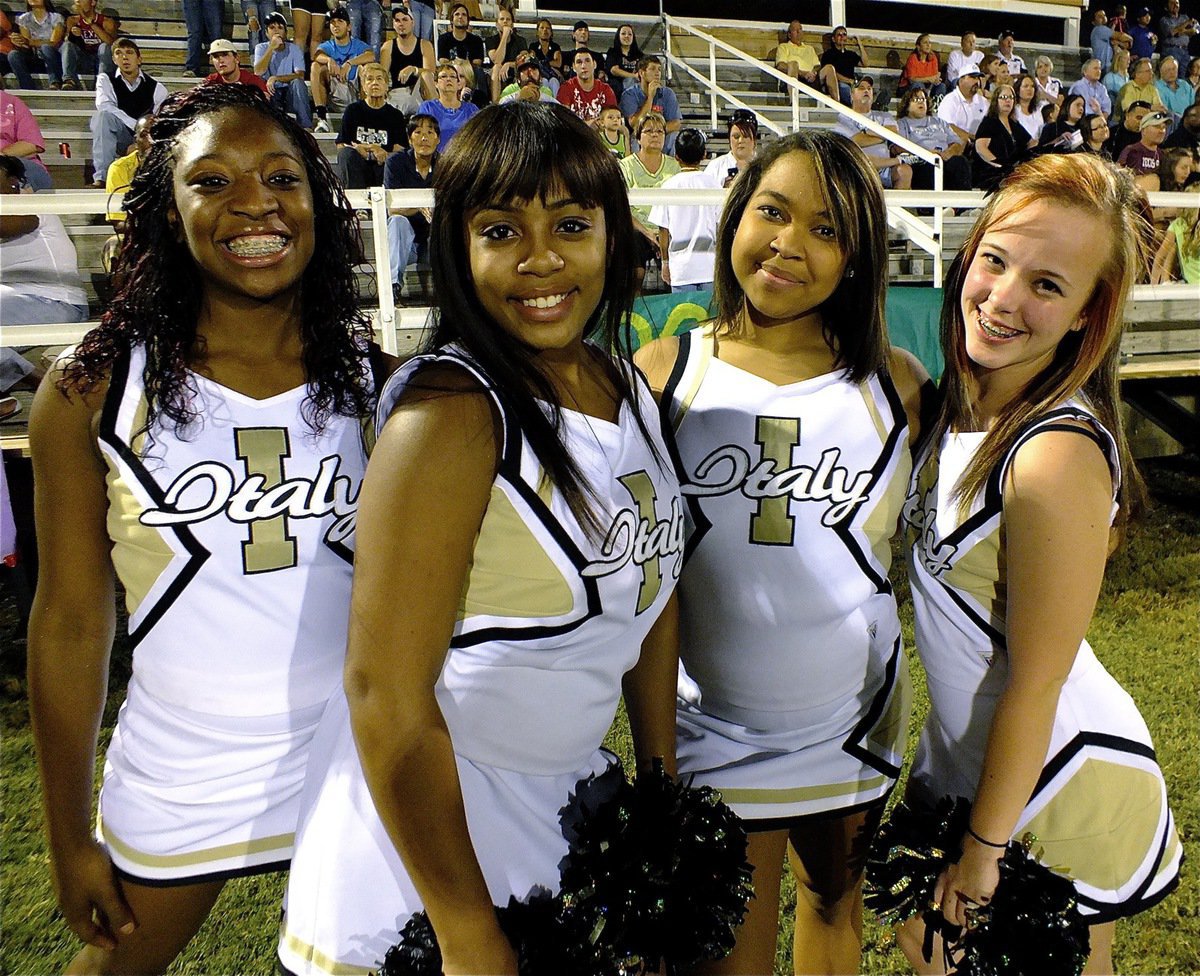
[1028,108]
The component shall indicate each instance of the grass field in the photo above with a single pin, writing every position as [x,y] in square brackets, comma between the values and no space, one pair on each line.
[1145,632]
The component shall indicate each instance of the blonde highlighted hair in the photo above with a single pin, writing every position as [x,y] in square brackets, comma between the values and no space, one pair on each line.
[1085,361]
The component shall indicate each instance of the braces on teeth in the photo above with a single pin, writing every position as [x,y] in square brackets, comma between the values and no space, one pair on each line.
[258,246]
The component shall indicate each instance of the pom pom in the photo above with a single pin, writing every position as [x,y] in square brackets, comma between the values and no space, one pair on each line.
[417,952]
[659,869]
[1031,925]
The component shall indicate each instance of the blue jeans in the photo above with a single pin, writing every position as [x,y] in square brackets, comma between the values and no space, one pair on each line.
[18,309]
[26,61]
[422,19]
[402,246]
[843,93]
[366,23]
[935,91]
[260,8]
[203,19]
[292,96]
[77,58]
[110,138]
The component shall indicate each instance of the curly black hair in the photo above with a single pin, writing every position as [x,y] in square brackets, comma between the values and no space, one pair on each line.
[159,300]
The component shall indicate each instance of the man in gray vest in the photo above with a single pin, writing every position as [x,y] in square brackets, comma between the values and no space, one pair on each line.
[122,97]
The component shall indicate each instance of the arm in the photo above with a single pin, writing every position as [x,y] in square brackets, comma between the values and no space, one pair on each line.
[106,100]
[427,486]
[70,636]
[58,34]
[649,688]
[1056,550]
[22,147]
[983,151]
[916,389]
[862,52]
[104,28]
[664,245]
[14,225]
[1163,270]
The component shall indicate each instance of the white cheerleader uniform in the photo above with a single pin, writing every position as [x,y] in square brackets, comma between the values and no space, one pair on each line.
[233,543]
[548,624]
[1099,810]
[799,695]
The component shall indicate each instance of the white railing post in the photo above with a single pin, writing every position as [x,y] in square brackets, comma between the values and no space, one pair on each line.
[712,83]
[377,197]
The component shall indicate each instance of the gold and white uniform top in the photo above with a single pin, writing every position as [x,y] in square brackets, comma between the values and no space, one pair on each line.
[1099,809]
[795,490]
[549,621]
[233,542]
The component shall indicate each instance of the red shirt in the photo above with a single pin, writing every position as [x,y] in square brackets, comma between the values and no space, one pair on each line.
[586,104]
[244,77]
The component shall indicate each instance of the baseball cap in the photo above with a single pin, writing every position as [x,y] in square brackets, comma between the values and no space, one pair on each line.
[1004,34]
[1143,12]
[221,46]
[275,18]
[578,24]
[1154,118]
[340,13]
[971,69]
[401,9]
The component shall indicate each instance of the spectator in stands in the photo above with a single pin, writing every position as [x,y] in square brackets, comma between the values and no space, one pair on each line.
[7,33]
[227,67]
[1193,74]
[922,69]
[1094,93]
[581,35]
[256,13]
[687,235]
[1177,95]
[621,61]
[800,61]
[1028,110]
[203,20]
[411,169]
[964,106]
[1180,247]
[1103,39]
[469,76]
[1004,51]
[366,23]
[931,132]
[529,86]
[742,129]
[448,108]
[1129,131]
[649,94]
[846,64]
[502,47]
[1141,87]
[1117,21]
[461,42]
[121,172]
[308,23]
[90,35]
[613,132]
[1049,87]
[939,136]
[1176,31]
[122,97]
[646,169]
[548,53]
[585,94]
[1187,133]
[1144,155]
[409,61]
[995,72]
[1000,142]
[371,129]
[1095,132]
[37,45]
[894,171]
[1175,170]
[21,136]
[1117,76]
[1059,135]
[281,64]
[41,274]
[966,55]
[335,68]
[1144,40]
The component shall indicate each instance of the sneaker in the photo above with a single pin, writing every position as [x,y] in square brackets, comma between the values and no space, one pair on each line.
[9,408]
[70,85]
[56,86]
[321,125]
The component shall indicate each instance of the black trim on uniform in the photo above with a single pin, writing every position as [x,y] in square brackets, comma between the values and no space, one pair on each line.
[853,744]
[700,522]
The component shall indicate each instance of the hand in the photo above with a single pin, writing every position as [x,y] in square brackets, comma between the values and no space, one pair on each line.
[651,92]
[363,150]
[968,884]
[271,85]
[380,154]
[75,29]
[90,898]
[19,40]
[666,271]
[487,952]
[276,44]
[427,213]
[344,72]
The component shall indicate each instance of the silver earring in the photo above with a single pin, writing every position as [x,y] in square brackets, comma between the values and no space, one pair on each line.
[849,273]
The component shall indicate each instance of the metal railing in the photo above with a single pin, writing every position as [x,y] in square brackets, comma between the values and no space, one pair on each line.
[926,233]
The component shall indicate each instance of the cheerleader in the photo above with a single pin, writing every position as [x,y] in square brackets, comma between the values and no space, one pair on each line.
[520,532]
[204,445]
[793,419]
[1019,487]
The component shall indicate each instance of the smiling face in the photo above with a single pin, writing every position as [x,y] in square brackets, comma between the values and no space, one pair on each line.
[625,35]
[538,268]
[1026,288]
[785,253]
[243,205]
[1099,132]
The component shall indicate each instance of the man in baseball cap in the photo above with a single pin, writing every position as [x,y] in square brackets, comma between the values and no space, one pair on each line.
[280,63]
[227,67]
[1143,157]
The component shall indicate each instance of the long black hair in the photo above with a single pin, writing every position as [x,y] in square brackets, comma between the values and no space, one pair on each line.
[158,304]
[518,152]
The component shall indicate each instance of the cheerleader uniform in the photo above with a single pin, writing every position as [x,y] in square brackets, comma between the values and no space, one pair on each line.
[548,624]
[796,695]
[233,544]
[1099,810]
